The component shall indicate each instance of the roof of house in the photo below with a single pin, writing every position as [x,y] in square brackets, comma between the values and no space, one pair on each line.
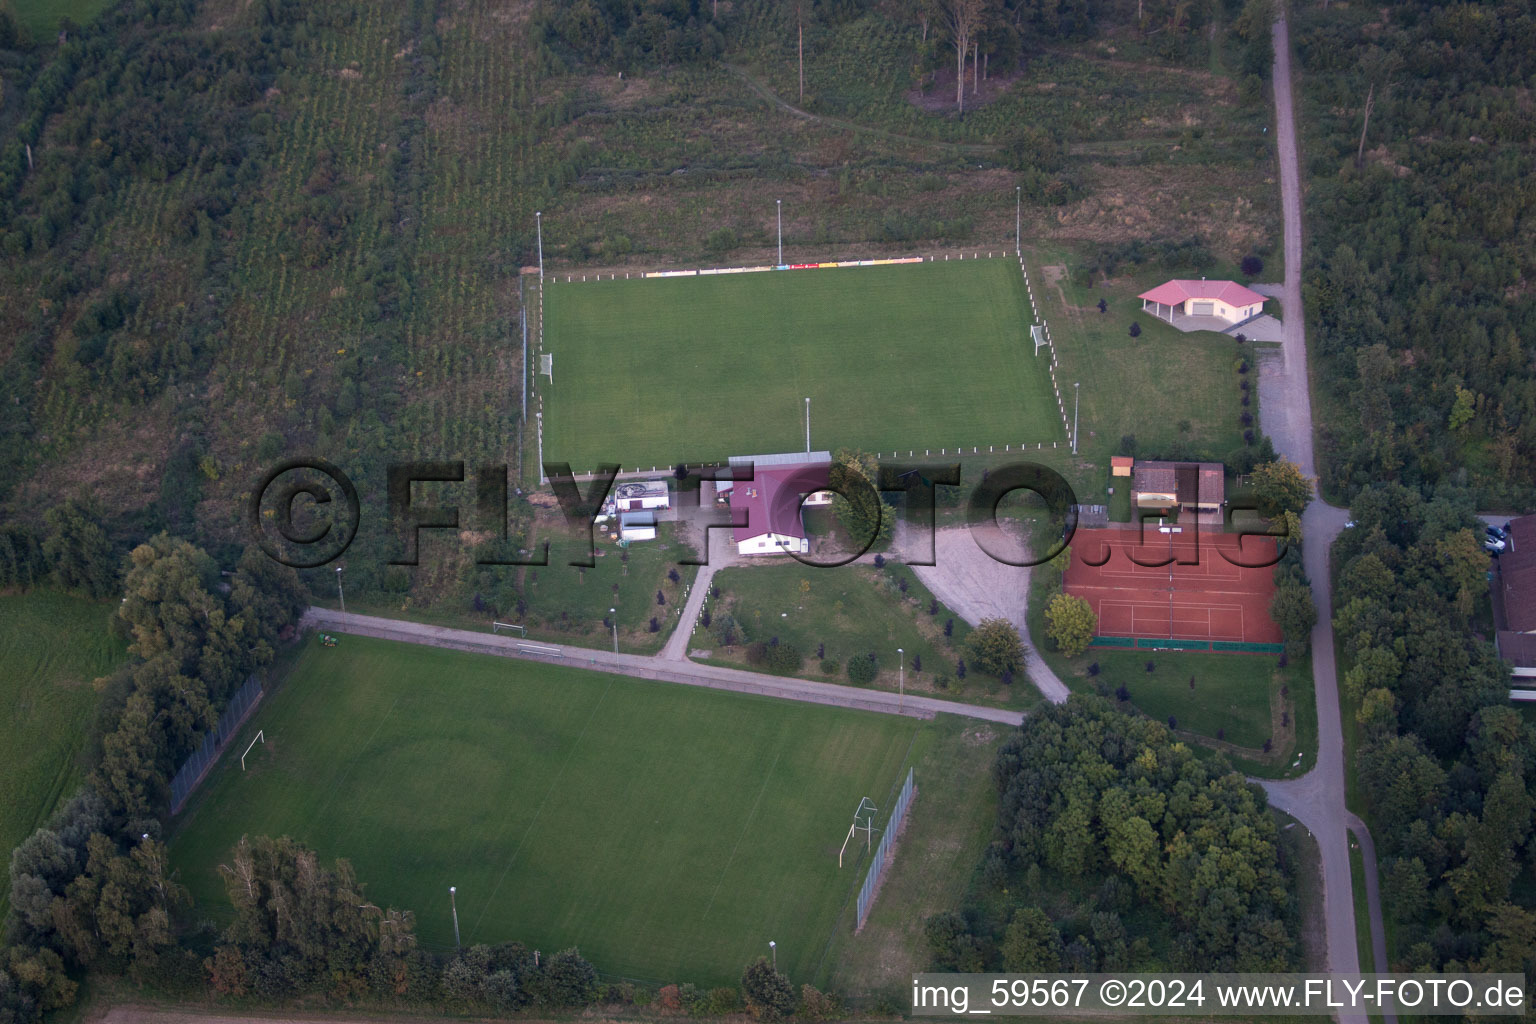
[1121,461]
[772,498]
[1191,483]
[1517,575]
[637,517]
[1519,648]
[1171,293]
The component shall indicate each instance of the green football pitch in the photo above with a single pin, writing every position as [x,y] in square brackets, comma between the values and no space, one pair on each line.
[668,832]
[920,356]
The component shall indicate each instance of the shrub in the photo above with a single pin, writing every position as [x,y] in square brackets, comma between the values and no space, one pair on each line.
[722,1001]
[817,1005]
[661,598]
[1173,723]
[1252,266]
[917,663]
[960,669]
[673,576]
[1268,745]
[768,993]
[829,667]
[1121,693]
[862,671]
[1093,668]
[949,627]
[783,659]
[654,627]
[1151,666]
[879,561]
[995,646]
[933,607]
[1135,329]
[1221,733]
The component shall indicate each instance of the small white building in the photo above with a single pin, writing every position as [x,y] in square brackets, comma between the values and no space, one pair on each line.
[633,495]
[639,524]
[1227,301]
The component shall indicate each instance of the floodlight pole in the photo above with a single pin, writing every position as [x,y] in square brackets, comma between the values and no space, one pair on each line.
[454,903]
[613,617]
[340,596]
[1018,219]
[1075,393]
[538,222]
[773,947]
[807,425]
[779,205]
[901,679]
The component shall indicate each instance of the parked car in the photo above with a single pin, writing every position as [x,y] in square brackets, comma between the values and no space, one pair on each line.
[1494,546]
[1494,533]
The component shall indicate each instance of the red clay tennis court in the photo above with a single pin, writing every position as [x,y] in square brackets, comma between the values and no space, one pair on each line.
[1180,586]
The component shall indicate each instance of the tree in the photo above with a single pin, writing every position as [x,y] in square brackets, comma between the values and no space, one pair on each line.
[862,669]
[1103,306]
[1252,266]
[1279,487]
[1071,623]
[769,994]
[861,510]
[1295,614]
[83,558]
[569,980]
[1135,329]
[964,20]
[995,647]
[1032,943]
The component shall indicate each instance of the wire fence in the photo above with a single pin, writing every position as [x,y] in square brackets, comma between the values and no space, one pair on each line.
[197,765]
[885,852]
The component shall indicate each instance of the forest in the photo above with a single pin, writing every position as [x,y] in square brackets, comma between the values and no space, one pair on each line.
[1420,145]
[1444,763]
[1117,848]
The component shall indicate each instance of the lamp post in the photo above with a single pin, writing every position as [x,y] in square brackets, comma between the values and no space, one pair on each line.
[779,205]
[453,902]
[807,426]
[901,679]
[773,948]
[1075,393]
[339,595]
[538,221]
[1018,219]
[613,617]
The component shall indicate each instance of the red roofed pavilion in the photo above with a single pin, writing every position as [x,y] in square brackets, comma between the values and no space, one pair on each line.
[1224,300]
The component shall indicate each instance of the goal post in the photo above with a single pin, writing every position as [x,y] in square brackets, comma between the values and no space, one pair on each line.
[261,737]
[547,366]
[1037,332]
[863,821]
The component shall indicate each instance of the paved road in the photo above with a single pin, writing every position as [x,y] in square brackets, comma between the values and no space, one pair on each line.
[977,586]
[640,666]
[1317,798]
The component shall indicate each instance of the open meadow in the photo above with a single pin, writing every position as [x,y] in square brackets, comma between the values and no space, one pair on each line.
[668,832]
[658,371]
[52,647]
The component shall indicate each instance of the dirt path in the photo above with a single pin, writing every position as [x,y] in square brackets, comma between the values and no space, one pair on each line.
[1317,798]
[977,587]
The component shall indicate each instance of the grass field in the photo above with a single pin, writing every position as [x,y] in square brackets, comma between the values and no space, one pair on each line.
[51,647]
[850,611]
[42,16]
[932,355]
[668,832]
